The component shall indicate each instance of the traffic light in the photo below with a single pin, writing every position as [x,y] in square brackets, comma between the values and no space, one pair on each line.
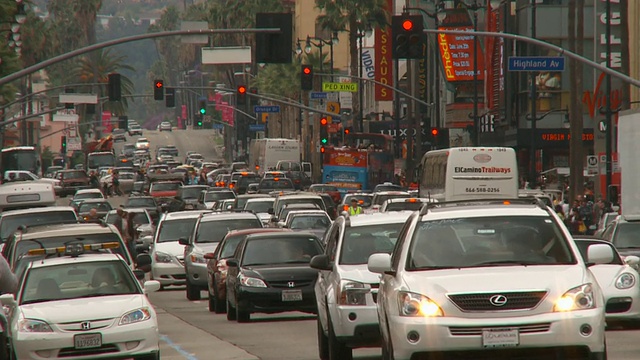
[274,48]
[123,122]
[324,133]
[199,121]
[322,149]
[435,132]
[114,87]
[241,95]
[63,145]
[347,130]
[158,90]
[203,107]
[306,77]
[170,97]
[408,37]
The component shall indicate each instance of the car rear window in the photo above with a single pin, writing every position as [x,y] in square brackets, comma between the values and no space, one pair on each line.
[10,223]
[216,230]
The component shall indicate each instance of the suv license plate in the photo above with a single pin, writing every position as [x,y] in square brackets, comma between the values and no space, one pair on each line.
[502,337]
[87,341]
[291,295]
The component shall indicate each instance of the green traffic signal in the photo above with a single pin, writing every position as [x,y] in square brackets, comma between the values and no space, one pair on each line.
[324,140]
[199,123]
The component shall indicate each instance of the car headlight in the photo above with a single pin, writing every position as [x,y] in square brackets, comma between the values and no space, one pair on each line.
[579,298]
[162,257]
[252,282]
[135,316]
[412,304]
[197,258]
[33,325]
[625,281]
[353,293]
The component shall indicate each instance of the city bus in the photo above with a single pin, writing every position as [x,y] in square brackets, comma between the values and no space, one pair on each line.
[464,173]
[21,158]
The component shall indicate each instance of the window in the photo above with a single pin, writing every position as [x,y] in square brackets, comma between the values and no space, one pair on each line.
[288,250]
[216,230]
[172,230]
[259,206]
[361,241]
[332,242]
[9,224]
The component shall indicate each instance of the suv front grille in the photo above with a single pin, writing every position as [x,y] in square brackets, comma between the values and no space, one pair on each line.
[511,300]
[477,330]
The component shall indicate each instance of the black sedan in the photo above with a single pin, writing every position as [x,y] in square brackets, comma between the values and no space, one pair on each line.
[270,273]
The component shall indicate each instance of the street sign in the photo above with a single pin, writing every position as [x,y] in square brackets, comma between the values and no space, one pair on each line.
[592,161]
[317,95]
[602,126]
[218,126]
[266,109]
[350,87]
[74,144]
[256,127]
[333,107]
[536,63]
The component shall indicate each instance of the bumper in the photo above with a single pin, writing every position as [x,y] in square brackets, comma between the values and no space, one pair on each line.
[118,342]
[355,325]
[197,275]
[168,273]
[462,337]
[269,300]
[70,190]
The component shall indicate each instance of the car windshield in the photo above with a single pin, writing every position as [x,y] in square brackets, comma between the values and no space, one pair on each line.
[10,223]
[22,247]
[74,175]
[488,241]
[404,205]
[165,186]
[259,206]
[191,192]
[140,202]
[219,195]
[322,188]
[363,200]
[360,242]
[99,206]
[379,199]
[216,230]
[626,235]
[387,188]
[244,181]
[77,280]
[583,246]
[90,195]
[276,184]
[276,250]
[174,229]
[310,222]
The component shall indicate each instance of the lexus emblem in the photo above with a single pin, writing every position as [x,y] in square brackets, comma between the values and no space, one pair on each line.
[85,325]
[291,284]
[498,300]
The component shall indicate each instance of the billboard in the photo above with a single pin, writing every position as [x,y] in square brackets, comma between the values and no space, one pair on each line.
[456,51]
[384,70]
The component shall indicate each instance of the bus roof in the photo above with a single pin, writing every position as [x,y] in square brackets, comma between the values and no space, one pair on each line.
[17,148]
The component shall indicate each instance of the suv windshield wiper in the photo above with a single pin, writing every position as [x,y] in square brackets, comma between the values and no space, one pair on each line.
[435,267]
[506,262]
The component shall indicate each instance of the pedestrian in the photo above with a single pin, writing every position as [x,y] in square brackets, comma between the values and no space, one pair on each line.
[202,180]
[115,181]
[93,216]
[8,280]
[355,209]
[93,180]
[120,220]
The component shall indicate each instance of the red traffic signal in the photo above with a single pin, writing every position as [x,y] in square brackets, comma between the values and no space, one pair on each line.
[306,70]
[322,149]
[407,25]
[242,89]
[347,131]
[159,84]
[324,121]
[434,131]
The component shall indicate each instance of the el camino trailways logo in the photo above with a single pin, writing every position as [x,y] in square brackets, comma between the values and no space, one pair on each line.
[482,170]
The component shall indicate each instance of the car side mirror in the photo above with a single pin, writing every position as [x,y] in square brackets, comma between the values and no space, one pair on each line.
[379,263]
[7,300]
[282,224]
[270,211]
[151,286]
[232,262]
[183,241]
[139,274]
[598,254]
[321,262]
[143,262]
[209,256]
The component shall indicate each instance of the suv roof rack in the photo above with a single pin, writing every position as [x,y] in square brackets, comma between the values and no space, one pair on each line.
[520,200]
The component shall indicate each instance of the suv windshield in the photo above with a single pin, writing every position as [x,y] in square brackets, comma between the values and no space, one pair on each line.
[360,242]
[141,202]
[191,192]
[310,222]
[219,195]
[172,230]
[10,223]
[165,186]
[259,206]
[488,241]
[216,230]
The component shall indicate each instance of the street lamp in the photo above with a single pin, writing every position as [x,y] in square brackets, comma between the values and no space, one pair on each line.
[320,43]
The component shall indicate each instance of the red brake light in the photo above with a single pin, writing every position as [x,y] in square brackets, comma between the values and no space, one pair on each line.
[411,200]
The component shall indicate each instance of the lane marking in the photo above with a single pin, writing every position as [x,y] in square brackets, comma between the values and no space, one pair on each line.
[178,348]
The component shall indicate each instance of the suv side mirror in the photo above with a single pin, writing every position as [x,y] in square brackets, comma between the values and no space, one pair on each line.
[143,262]
[270,211]
[379,263]
[321,262]
[232,262]
[183,241]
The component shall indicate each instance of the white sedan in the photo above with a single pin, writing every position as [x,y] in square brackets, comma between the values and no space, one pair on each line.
[82,306]
[619,282]
[142,144]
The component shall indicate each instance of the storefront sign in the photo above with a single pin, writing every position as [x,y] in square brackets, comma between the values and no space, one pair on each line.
[551,138]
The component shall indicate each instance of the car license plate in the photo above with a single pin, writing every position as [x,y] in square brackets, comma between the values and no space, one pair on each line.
[87,341]
[291,295]
[502,337]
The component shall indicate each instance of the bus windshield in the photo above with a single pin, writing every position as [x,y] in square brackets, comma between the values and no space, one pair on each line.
[21,158]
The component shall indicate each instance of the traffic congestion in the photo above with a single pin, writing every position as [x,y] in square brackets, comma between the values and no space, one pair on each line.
[157,252]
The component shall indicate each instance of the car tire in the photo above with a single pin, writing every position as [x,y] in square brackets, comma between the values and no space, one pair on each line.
[212,303]
[193,292]
[242,315]
[5,349]
[323,342]
[337,350]
[231,312]
[220,307]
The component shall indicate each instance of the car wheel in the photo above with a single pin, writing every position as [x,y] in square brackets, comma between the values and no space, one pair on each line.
[242,315]
[220,306]
[337,350]
[5,349]
[193,292]
[212,303]
[323,342]
[231,312]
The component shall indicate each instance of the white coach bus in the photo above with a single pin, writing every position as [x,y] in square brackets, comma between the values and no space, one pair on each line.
[26,194]
[465,173]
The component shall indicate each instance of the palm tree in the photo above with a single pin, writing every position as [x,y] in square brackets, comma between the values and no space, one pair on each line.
[99,66]
[354,17]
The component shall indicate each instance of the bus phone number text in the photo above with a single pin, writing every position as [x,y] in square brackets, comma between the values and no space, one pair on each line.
[482,190]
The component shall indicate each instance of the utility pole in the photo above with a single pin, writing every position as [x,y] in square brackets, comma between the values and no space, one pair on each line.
[534,101]
[609,133]
[411,82]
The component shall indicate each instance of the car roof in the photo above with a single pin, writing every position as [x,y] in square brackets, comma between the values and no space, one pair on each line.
[441,211]
[188,214]
[97,201]
[84,258]
[379,218]
[300,196]
[228,216]
[280,235]
[262,199]
[140,197]
[194,186]
[44,231]
[393,200]
[254,196]
[88,191]
[36,210]
[135,210]
[391,193]
[307,212]
[255,231]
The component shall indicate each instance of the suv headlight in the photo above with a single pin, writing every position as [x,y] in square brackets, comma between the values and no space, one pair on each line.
[198,258]
[251,281]
[579,298]
[412,304]
[162,257]
[34,326]
[625,281]
[135,316]
[353,293]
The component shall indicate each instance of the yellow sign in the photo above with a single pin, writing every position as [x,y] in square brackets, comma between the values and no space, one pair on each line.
[333,107]
[342,87]
[265,117]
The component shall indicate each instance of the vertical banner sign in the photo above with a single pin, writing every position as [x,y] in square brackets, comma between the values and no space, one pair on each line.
[457,50]
[384,70]
[106,121]
[218,100]
[184,112]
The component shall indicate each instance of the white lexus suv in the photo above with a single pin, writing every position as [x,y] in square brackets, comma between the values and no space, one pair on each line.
[489,279]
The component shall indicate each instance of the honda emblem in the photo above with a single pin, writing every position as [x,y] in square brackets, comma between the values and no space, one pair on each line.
[291,284]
